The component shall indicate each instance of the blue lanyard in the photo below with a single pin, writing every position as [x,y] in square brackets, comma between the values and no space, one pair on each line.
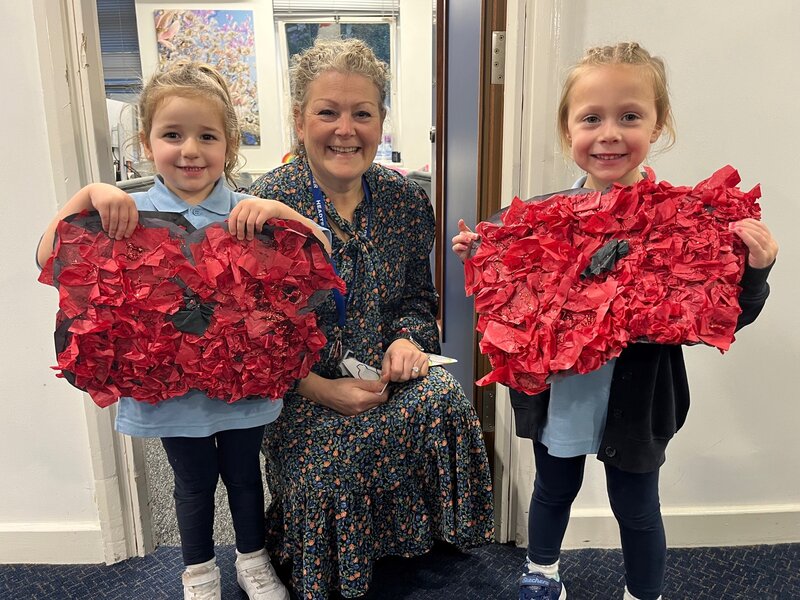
[319,203]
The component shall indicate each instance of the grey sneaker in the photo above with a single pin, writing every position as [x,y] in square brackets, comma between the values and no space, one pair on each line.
[257,578]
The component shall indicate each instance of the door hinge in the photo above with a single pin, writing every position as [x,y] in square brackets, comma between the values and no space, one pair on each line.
[498,57]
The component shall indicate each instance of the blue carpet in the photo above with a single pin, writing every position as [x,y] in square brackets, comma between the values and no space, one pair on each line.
[488,572]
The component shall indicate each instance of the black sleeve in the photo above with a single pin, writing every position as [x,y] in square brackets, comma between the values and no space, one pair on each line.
[753,296]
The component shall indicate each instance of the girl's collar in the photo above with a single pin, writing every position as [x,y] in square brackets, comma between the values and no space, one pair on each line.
[165,200]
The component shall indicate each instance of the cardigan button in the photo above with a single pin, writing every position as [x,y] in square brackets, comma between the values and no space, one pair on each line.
[617,413]
[611,452]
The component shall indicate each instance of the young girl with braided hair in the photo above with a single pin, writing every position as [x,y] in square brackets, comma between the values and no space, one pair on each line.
[614,105]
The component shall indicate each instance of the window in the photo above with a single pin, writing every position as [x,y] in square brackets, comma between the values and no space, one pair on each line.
[119,44]
[122,73]
[299,23]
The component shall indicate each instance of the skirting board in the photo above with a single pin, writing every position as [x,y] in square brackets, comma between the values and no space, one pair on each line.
[51,543]
[686,528]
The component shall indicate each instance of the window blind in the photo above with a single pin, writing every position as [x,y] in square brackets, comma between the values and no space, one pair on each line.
[119,44]
[291,8]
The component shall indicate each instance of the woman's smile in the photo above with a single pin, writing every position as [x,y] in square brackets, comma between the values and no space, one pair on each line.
[344,149]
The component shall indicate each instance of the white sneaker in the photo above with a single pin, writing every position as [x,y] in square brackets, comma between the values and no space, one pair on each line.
[257,578]
[628,596]
[201,582]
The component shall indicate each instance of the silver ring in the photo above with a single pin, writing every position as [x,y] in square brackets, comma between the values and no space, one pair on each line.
[415,369]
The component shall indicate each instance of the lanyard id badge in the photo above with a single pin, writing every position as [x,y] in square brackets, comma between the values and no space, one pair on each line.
[350,366]
[335,354]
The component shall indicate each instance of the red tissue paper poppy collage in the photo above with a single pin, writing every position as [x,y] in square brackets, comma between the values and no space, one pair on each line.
[172,308]
[563,284]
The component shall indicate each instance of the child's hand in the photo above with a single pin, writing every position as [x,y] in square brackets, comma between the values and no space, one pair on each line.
[250,214]
[464,240]
[117,209]
[761,245]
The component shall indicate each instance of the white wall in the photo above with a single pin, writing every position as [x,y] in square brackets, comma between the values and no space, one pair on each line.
[414,51]
[47,486]
[731,472]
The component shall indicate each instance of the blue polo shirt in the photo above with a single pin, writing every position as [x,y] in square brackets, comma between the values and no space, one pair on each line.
[194,414]
[576,414]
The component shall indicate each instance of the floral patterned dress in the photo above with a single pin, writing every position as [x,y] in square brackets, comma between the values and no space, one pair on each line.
[349,490]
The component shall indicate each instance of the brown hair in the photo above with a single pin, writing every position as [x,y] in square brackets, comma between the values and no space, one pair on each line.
[191,80]
[622,53]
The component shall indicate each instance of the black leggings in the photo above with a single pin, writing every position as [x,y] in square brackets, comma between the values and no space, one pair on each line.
[634,502]
[198,464]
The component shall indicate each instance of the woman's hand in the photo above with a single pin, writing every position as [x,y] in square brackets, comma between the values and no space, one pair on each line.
[761,245]
[347,396]
[464,241]
[403,361]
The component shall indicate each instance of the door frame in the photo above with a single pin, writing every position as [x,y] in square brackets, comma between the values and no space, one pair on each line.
[489,181]
[75,112]
[533,35]
[508,148]
[439,133]
[489,184]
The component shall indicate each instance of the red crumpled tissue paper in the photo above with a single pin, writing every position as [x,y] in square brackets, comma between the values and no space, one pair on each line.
[674,278]
[172,308]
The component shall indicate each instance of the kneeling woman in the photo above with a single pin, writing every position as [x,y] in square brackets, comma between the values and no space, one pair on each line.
[357,472]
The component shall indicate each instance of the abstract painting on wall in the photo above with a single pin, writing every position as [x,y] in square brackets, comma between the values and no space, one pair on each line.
[223,39]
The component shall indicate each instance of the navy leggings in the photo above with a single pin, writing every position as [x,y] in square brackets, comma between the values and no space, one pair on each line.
[198,464]
[634,502]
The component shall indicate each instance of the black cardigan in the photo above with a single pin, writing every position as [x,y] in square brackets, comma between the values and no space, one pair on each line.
[649,395]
